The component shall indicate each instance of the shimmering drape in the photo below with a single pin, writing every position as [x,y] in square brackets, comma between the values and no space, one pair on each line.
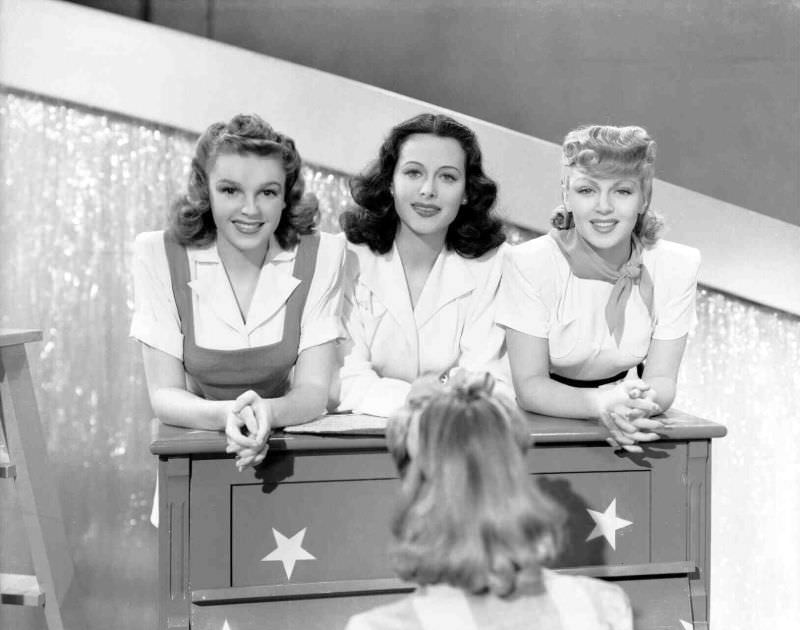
[77,185]
[742,369]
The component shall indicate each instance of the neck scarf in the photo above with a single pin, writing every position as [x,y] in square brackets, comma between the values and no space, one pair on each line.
[587,264]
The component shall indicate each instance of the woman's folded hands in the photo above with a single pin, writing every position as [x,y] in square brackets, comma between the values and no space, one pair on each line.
[247,429]
[626,410]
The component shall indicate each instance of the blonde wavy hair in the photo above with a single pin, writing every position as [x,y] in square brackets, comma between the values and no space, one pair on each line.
[607,151]
[470,514]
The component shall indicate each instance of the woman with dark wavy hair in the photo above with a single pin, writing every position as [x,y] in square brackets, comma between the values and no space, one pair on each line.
[423,264]
[473,530]
[601,294]
[238,301]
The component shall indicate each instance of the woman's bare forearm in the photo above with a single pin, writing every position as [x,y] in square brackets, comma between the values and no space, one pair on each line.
[172,403]
[308,396]
[665,389]
[182,408]
[303,403]
[543,395]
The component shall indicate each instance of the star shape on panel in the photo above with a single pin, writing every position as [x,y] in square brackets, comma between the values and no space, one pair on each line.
[288,551]
[607,524]
[686,625]
[226,625]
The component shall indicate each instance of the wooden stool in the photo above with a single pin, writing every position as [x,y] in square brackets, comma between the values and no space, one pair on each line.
[23,459]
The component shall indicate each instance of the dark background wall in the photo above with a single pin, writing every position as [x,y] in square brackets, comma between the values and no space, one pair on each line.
[717,82]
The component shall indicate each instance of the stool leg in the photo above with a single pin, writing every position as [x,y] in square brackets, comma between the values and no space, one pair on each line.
[38,496]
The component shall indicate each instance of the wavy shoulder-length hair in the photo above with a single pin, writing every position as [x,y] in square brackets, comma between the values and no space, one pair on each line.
[607,151]
[191,221]
[374,221]
[470,515]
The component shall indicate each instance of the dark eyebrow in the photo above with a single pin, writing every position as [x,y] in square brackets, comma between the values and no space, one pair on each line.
[225,180]
[415,163]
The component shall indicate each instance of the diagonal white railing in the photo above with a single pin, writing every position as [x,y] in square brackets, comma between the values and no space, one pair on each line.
[120,65]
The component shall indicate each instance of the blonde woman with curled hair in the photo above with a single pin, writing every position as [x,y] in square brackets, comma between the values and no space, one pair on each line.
[601,294]
[472,529]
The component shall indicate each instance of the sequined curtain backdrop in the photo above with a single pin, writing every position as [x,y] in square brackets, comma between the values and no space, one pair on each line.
[77,185]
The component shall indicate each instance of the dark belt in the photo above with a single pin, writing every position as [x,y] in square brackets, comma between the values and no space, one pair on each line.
[598,382]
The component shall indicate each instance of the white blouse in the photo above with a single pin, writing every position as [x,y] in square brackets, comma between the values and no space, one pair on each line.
[540,296]
[218,323]
[391,343]
[570,602]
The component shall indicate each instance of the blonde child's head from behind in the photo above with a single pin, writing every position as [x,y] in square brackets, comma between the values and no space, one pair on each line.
[470,514]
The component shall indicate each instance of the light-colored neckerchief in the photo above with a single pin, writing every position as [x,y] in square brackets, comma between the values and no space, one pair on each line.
[587,264]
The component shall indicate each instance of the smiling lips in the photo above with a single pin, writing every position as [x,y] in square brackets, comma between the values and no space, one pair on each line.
[248,227]
[604,226]
[426,209]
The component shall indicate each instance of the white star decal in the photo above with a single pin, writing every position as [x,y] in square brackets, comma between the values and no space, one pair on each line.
[226,625]
[607,524]
[288,551]
[686,625]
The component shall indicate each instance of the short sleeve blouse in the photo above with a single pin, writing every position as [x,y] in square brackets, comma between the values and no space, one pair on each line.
[541,297]
[569,603]
[218,323]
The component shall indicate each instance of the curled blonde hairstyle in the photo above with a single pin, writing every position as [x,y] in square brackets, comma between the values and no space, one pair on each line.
[470,515]
[607,151]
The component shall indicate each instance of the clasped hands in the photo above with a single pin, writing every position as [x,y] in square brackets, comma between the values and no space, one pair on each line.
[247,429]
[625,409]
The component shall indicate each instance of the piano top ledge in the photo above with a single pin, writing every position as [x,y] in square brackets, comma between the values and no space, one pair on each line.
[170,440]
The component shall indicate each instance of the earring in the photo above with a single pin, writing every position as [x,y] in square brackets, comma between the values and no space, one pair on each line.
[563,216]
